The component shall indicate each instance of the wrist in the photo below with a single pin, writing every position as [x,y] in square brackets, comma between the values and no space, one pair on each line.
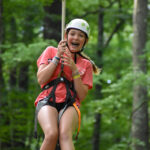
[55,60]
[76,72]
[58,55]
[76,76]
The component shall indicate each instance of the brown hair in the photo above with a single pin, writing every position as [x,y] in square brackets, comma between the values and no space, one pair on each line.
[96,70]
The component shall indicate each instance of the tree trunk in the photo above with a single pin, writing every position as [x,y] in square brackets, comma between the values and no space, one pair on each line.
[52,21]
[13,39]
[23,77]
[96,132]
[140,98]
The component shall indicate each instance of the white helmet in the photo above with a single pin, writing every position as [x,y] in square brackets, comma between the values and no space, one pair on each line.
[79,24]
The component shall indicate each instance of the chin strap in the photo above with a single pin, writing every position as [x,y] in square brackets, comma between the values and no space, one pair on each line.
[75,58]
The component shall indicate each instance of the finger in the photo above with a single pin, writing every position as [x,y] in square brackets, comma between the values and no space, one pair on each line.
[63,42]
[64,58]
[67,50]
[68,60]
[66,64]
[68,54]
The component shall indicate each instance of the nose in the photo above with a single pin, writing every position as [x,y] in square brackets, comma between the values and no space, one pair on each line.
[76,36]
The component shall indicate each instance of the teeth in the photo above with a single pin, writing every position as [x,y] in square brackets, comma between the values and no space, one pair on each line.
[75,44]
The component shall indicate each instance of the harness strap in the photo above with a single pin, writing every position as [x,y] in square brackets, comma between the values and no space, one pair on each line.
[52,94]
[79,119]
[56,81]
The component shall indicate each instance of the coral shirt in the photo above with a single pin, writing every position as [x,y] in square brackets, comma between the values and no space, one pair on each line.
[84,67]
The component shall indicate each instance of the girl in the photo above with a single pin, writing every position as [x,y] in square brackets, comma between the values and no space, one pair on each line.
[65,75]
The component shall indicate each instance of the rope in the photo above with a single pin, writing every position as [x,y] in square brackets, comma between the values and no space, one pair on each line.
[63,18]
[63,15]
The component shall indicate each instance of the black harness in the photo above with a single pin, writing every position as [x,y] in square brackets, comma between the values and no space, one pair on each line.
[69,86]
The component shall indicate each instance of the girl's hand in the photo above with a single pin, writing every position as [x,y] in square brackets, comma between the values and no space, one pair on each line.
[61,48]
[68,60]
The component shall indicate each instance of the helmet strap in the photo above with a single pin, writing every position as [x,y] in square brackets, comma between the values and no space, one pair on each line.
[75,58]
[75,53]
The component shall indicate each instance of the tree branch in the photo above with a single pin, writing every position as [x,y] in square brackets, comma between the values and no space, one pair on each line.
[117,27]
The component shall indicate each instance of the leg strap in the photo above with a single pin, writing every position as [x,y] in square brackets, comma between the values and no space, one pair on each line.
[79,116]
[79,119]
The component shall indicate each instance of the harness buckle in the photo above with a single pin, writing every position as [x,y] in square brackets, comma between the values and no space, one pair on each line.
[61,79]
[47,86]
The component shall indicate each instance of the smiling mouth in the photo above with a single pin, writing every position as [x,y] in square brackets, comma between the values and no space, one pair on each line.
[75,44]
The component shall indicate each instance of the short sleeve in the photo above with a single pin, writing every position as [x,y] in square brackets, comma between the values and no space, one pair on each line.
[45,56]
[88,76]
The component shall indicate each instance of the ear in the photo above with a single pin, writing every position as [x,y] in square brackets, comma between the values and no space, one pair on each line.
[86,40]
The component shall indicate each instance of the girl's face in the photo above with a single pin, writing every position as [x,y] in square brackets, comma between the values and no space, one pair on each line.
[76,39]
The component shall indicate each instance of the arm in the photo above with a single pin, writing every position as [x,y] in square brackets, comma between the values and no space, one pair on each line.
[45,72]
[80,88]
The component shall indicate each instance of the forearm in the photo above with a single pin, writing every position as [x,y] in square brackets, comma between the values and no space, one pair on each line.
[80,88]
[45,72]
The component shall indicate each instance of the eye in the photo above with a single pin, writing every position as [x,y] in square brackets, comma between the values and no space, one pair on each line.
[72,33]
[81,35]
